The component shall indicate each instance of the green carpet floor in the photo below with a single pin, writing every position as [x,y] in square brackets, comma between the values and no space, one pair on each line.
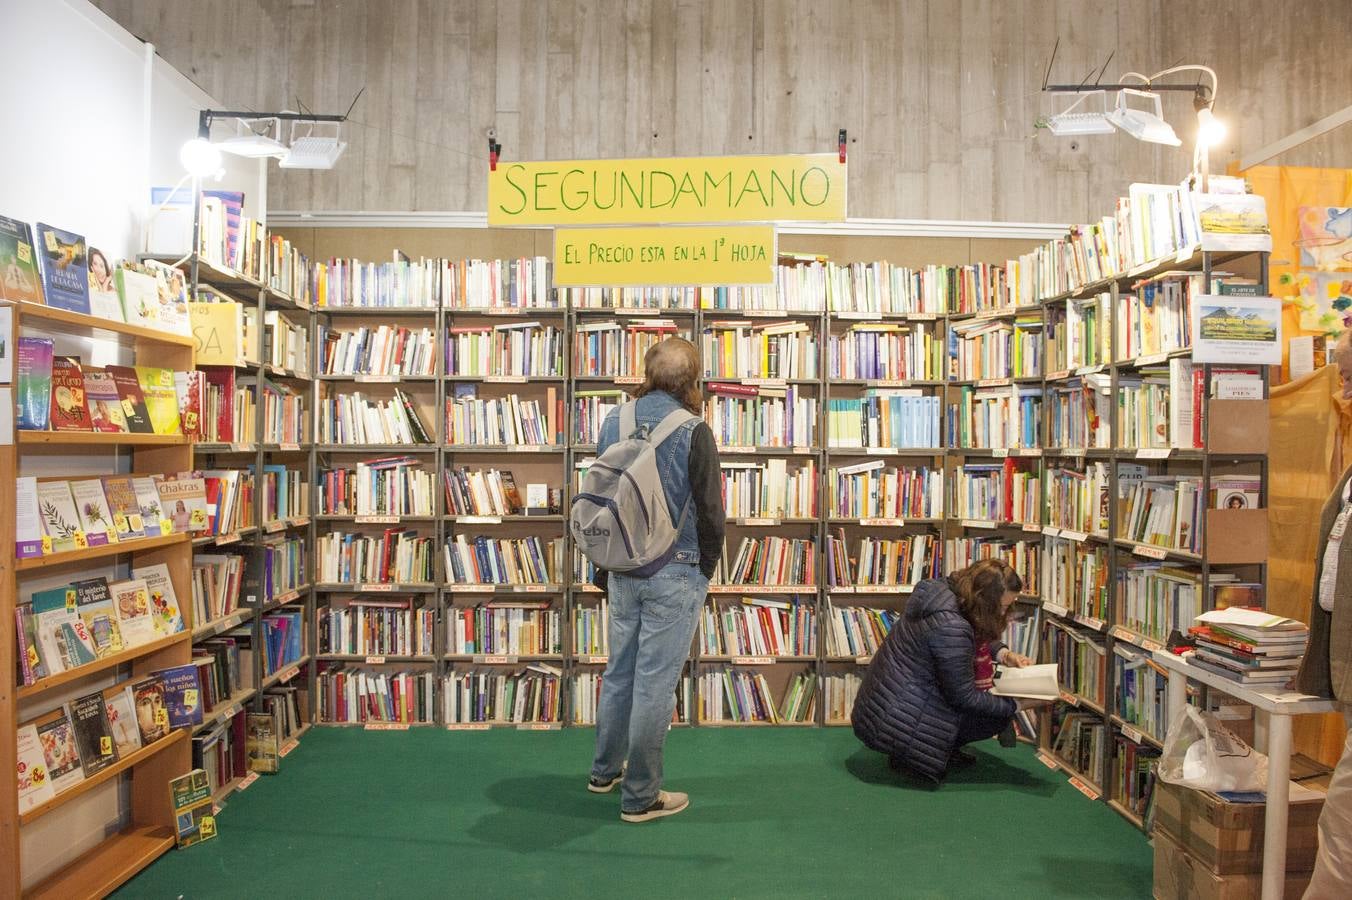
[775,812]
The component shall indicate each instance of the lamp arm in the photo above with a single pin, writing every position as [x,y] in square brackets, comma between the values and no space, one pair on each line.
[1191,67]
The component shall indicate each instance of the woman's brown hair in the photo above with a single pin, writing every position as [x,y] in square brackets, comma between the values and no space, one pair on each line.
[979,589]
[673,366]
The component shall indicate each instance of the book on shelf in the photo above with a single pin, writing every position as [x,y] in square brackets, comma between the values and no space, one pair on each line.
[1157,601]
[995,492]
[1078,738]
[887,351]
[521,283]
[263,743]
[1024,557]
[121,709]
[877,490]
[1075,576]
[134,407]
[171,289]
[93,733]
[532,695]
[284,418]
[286,345]
[194,818]
[103,401]
[758,626]
[64,259]
[366,627]
[60,751]
[728,694]
[68,410]
[33,383]
[884,418]
[616,349]
[769,489]
[1080,412]
[590,409]
[94,603]
[1036,682]
[746,349]
[521,561]
[1081,659]
[164,608]
[386,350]
[880,562]
[394,285]
[153,519]
[20,280]
[283,567]
[96,521]
[390,486]
[190,393]
[138,293]
[476,492]
[591,629]
[394,557]
[135,620]
[1142,690]
[760,416]
[34,778]
[628,299]
[358,419]
[512,628]
[857,630]
[509,421]
[220,751]
[152,712]
[998,417]
[512,349]
[183,500]
[1163,511]
[216,583]
[61,526]
[769,561]
[350,695]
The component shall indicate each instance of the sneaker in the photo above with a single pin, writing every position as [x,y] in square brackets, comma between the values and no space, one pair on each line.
[599,786]
[668,803]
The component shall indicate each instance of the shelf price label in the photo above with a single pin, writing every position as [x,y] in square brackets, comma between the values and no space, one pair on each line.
[288,674]
[1050,531]
[274,527]
[377,520]
[1056,376]
[1055,608]
[288,747]
[629,379]
[377,379]
[883,523]
[504,379]
[1083,787]
[230,712]
[222,540]
[375,660]
[386,726]
[298,521]
[1132,734]
[1090,621]
[992,382]
[480,520]
[1070,698]
[863,660]
[287,597]
[288,446]
[596,660]
[375,588]
[484,659]
[977,523]
[765,382]
[1150,552]
[248,780]
[1153,453]
[1047,761]
[1077,536]
[538,726]
[759,521]
[468,726]
[753,660]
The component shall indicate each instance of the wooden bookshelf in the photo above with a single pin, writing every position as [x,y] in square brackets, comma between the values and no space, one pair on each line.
[96,439]
[72,557]
[127,762]
[100,871]
[130,655]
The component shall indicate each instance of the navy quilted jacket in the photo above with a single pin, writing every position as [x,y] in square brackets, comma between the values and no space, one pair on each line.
[921,683]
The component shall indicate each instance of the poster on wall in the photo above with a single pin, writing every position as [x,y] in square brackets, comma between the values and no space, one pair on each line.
[1324,301]
[1325,237]
[1243,330]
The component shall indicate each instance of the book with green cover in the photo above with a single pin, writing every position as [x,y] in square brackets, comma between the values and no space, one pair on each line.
[194,821]
[161,398]
[19,277]
[61,633]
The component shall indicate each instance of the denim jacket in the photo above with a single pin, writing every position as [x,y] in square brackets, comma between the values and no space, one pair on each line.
[673,462]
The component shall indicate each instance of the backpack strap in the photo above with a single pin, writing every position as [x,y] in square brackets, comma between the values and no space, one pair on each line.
[664,429]
[628,420]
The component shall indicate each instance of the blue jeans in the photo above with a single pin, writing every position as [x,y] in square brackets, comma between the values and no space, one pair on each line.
[652,621]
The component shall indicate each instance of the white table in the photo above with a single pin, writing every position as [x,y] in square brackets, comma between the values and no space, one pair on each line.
[1274,740]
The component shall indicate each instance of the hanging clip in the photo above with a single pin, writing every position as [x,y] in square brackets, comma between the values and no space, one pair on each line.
[841,141]
[494,149]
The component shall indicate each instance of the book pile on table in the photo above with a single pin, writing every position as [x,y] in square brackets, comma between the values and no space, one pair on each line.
[1249,646]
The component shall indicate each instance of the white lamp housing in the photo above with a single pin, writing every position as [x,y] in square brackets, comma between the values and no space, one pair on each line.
[1068,122]
[200,157]
[1210,130]
[1143,124]
[252,144]
[314,151]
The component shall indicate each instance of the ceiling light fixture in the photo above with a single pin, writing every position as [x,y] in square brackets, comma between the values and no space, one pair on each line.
[1068,122]
[1143,124]
[253,144]
[314,151]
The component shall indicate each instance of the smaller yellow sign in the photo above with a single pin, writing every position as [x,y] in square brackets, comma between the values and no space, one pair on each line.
[664,255]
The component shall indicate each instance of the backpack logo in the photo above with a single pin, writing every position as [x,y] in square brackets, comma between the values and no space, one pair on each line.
[595,531]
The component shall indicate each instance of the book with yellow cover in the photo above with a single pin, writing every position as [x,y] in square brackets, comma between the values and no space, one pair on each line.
[161,399]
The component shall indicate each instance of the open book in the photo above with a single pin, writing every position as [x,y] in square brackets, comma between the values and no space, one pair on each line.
[1031,682]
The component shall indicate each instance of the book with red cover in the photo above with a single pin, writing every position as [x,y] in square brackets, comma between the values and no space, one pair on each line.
[723,387]
[189,387]
[133,402]
[68,396]
[102,401]
[221,380]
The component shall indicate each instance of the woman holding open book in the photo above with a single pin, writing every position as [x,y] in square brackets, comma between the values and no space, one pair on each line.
[920,701]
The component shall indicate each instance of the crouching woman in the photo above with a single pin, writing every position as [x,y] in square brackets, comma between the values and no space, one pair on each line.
[920,700]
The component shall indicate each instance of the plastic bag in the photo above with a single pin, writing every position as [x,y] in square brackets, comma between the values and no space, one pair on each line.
[1200,752]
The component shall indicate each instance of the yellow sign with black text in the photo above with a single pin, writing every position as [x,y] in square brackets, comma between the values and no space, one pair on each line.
[787,188]
[718,254]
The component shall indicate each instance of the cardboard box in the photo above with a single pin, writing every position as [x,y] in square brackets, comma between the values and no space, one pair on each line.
[1181,876]
[1238,426]
[1237,536]
[1227,838]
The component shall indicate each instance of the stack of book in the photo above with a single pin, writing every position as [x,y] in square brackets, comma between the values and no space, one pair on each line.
[1249,646]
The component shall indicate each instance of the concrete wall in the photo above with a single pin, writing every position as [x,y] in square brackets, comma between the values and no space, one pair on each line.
[939,96]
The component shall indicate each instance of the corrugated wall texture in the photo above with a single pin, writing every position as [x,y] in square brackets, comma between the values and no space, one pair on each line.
[939,96]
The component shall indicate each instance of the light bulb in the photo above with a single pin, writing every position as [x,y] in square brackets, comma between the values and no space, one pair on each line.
[200,157]
[1210,130]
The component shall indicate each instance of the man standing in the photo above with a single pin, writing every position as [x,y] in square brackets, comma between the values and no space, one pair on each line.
[1326,670]
[652,619]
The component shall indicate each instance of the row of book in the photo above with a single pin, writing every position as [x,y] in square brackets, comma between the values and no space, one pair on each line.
[760,416]
[217,581]
[71,625]
[534,694]
[390,486]
[769,489]
[1077,499]
[351,696]
[745,349]
[856,631]
[1249,646]
[475,492]
[395,556]
[995,492]
[1079,411]
[504,628]
[284,567]
[758,626]
[981,349]
[997,417]
[366,627]
[286,344]
[1075,576]
[769,561]
[881,562]
[1142,695]
[58,393]
[617,349]
[58,516]
[503,421]
[510,349]
[1081,662]
[91,733]
[885,351]
[384,351]
[520,561]
[64,272]
[1025,557]
[1078,333]
[882,418]
[739,695]
[876,490]
[359,419]
[585,690]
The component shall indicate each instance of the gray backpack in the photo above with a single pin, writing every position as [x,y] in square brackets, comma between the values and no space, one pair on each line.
[619,518]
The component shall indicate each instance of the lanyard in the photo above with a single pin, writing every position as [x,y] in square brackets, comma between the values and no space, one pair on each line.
[1328,578]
